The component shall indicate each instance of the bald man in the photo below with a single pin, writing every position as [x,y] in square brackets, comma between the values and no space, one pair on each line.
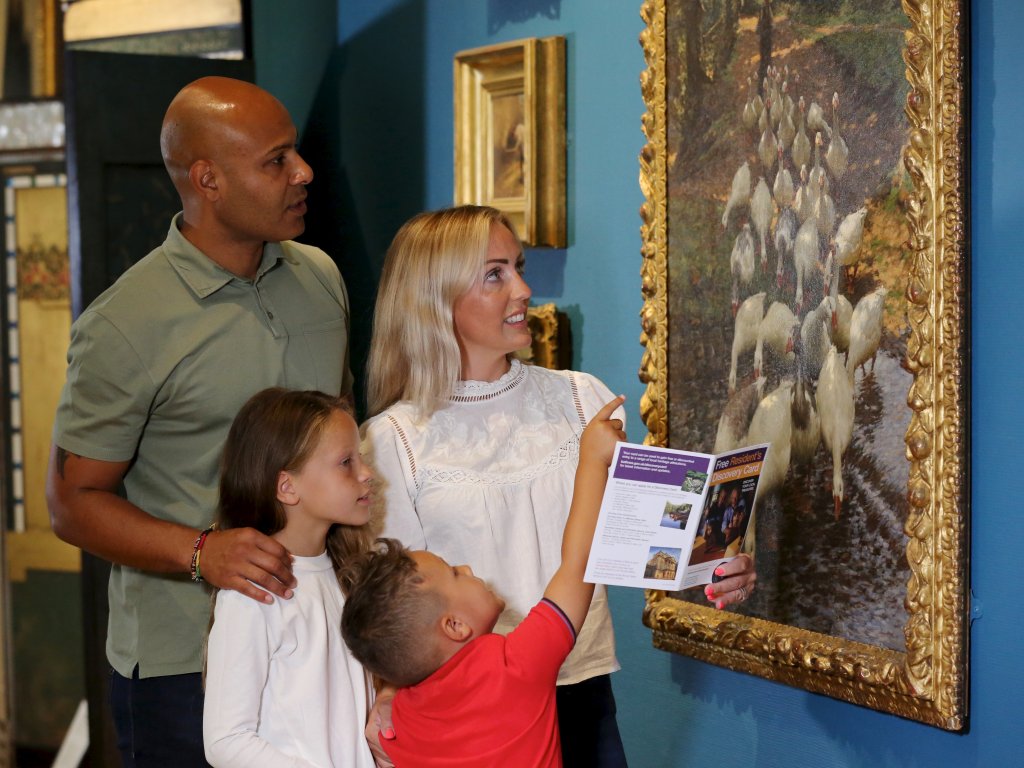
[158,366]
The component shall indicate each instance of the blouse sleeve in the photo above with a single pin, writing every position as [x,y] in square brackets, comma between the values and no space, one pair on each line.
[237,666]
[593,395]
[395,500]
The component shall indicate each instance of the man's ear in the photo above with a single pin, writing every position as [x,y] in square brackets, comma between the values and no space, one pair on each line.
[203,178]
[287,493]
[455,628]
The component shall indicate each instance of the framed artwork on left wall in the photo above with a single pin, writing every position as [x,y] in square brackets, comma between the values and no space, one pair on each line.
[510,134]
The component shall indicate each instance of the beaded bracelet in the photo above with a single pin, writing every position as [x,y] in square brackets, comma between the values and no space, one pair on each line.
[197,550]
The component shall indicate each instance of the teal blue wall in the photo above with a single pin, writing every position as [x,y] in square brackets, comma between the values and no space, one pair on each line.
[292,50]
[385,134]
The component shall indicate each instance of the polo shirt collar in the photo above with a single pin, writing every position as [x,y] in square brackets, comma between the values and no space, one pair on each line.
[203,275]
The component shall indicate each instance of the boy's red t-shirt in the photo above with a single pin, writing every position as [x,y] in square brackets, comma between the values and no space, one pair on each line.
[491,704]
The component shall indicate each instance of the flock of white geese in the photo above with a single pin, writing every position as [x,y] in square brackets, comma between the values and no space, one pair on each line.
[815,345]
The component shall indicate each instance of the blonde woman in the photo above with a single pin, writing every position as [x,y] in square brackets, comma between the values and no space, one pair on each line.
[476,452]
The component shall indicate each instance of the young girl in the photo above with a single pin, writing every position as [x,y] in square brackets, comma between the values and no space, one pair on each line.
[281,687]
[477,452]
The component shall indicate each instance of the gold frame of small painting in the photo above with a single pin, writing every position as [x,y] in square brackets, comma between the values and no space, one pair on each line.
[510,134]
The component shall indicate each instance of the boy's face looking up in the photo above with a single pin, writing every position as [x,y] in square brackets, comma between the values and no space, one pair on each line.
[464,595]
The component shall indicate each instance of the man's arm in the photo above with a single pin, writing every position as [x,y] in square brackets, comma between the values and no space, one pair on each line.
[567,588]
[86,511]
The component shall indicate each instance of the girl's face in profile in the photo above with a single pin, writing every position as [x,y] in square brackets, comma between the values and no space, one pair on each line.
[333,486]
[490,318]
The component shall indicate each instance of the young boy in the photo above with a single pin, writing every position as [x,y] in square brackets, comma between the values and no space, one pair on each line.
[469,697]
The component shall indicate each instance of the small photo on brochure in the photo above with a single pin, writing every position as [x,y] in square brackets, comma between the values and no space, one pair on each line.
[694,482]
[663,563]
[676,516]
[723,523]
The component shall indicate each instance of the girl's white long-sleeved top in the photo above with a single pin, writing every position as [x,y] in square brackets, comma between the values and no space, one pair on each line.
[487,481]
[282,689]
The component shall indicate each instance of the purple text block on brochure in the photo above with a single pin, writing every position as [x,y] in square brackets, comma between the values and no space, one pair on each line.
[656,467]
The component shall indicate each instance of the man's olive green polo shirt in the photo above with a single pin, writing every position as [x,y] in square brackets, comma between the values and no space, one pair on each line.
[158,366]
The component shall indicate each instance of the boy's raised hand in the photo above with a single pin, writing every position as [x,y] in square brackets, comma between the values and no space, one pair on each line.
[598,440]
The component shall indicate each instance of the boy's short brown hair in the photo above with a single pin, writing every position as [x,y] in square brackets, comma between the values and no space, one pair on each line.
[388,615]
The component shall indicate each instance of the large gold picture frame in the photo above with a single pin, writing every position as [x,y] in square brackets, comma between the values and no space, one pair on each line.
[510,134]
[925,678]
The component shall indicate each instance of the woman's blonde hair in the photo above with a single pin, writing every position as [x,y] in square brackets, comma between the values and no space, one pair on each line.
[433,260]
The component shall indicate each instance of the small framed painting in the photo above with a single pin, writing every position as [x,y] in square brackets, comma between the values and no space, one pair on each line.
[510,134]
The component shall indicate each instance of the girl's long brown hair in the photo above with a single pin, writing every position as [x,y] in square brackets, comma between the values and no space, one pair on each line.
[277,430]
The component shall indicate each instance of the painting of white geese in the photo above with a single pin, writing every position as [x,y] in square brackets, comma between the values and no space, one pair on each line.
[835,411]
[744,334]
[841,317]
[865,331]
[839,307]
[801,150]
[762,211]
[837,155]
[806,256]
[767,148]
[776,330]
[783,188]
[816,119]
[848,237]
[812,184]
[739,194]
[806,426]
[785,236]
[741,263]
[736,415]
[815,340]
[771,423]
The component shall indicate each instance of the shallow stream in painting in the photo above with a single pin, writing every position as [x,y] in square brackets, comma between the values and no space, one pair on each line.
[848,577]
[845,577]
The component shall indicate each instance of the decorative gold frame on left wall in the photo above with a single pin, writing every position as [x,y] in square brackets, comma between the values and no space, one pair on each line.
[510,134]
[39,312]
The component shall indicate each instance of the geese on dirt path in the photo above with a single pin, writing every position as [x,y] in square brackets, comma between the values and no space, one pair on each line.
[806,426]
[837,154]
[739,195]
[865,331]
[772,423]
[762,211]
[775,331]
[735,418]
[848,237]
[741,263]
[745,331]
[834,398]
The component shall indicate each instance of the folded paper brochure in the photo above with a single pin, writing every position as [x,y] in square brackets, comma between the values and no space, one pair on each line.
[670,517]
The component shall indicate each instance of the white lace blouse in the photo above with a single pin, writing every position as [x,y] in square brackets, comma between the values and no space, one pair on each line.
[487,481]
